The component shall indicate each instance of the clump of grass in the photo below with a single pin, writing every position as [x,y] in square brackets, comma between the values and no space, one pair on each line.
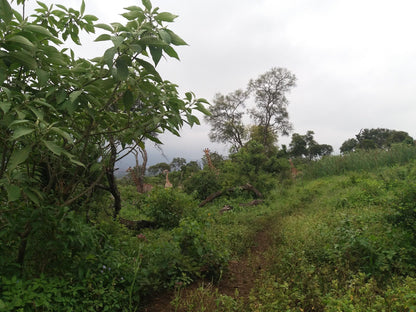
[205,298]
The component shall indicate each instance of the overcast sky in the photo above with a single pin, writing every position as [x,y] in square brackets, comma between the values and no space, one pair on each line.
[355,61]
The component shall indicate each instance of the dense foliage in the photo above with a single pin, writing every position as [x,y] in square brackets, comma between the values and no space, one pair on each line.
[306,146]
[73,238]
[375,139]
[344,242]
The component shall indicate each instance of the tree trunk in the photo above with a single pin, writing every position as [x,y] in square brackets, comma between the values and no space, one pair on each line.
[112,180]
[137,225]
[246,187]
[23,243]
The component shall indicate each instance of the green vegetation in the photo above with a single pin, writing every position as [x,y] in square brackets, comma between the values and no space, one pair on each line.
[344,242]
[335,234]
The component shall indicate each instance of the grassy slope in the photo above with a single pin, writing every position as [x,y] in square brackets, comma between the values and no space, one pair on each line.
[340,243]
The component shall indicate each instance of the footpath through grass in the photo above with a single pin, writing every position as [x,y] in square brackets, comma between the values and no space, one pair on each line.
[339,243]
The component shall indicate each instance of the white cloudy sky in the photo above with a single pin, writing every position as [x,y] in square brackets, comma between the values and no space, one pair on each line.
[355,60]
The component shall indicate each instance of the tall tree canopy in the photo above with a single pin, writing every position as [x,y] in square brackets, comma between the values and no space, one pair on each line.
[269,114]
[306,146]
[226,119]
[271,102]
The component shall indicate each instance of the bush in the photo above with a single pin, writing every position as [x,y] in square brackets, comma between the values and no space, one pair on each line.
[167,206]
[195,244]
[93,293]
[203,183]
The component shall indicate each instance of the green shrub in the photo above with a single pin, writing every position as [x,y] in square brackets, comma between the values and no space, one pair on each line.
[162,265]
[194,243]
[364,294]
[203,183]
[62,294]
[167,206]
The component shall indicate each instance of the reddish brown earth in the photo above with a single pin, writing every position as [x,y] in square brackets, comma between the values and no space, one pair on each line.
[239,279]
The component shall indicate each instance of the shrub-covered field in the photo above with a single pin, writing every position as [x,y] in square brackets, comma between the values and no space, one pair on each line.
[337,243]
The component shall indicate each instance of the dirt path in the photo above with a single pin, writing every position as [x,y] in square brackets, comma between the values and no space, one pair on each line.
[239,279]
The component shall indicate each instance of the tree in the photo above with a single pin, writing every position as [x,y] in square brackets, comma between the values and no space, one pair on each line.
[271,102]
[177,163]
[320,150]
[268,139]
[64,120]
[306,146]
[139,171]
[191,167]
[376,138]
[158,168]
[298,146]
[226,119]
[348,146]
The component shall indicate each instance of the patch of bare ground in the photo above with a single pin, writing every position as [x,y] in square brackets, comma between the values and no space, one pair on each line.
[236,283]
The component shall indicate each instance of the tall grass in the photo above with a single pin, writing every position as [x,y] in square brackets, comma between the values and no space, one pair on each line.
[363,160]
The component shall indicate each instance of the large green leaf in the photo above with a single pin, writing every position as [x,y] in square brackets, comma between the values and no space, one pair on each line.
[152,41]
[122,64]
[18,122]
[13,192]
[22,58]
[192,120]
[6,12]
[42,102]
[176,40]
[33,196]
[62,133]
[165,36]
[57,150]
[5,106]
[18,157]
[104,26]
[37,29]
[43,76]
[74,95]
[156,53]
[147,4]
[149,68]
[38,113]
[133,8]
[103,37]
[21,40]
[165,17]
[133,15]
[171,52]
[154,139]
[109,56]
[73,159]
[117,41]
[202,109]
[128,100]
[19,132]
[82,10]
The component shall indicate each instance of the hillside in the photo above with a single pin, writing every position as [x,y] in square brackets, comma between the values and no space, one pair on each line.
[337,243]
[338,237]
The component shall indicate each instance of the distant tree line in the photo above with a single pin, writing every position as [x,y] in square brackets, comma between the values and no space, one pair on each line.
[375,138]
